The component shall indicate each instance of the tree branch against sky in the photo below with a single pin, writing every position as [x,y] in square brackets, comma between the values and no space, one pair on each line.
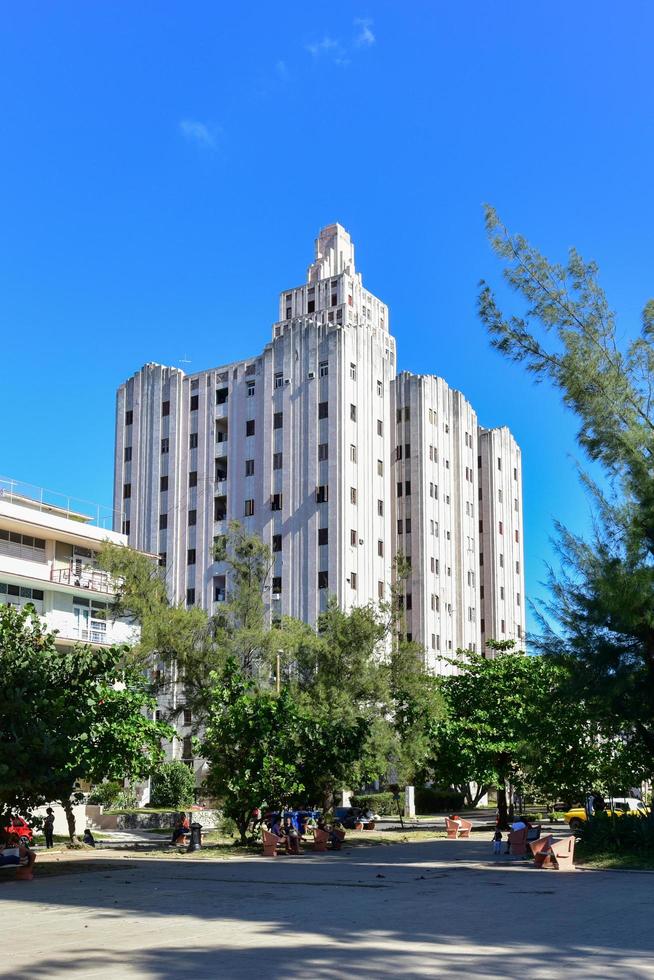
[602,605]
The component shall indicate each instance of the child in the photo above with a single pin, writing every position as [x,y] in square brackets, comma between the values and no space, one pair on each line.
[497,842]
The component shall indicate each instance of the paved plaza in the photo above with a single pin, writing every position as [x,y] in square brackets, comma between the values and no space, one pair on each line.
[415,910]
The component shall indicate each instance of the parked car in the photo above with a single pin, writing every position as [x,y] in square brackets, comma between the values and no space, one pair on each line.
[21,827]
[618,805]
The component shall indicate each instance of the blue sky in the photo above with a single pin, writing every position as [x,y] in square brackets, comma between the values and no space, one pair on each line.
[167,165]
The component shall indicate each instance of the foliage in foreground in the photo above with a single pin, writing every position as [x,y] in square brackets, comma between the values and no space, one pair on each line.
[67,716]
[266,751]
[602,604]
[613,833]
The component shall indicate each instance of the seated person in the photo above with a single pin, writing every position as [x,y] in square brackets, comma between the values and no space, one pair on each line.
[14,854]
[276,826]
[88,838]
[291,834]
[182,828]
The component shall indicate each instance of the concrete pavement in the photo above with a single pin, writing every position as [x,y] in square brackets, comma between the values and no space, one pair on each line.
[435,909]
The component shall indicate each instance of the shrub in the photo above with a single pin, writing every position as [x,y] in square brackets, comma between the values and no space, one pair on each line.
[430,799]
[173,785]
[610,832]
[381,803]
[106,794]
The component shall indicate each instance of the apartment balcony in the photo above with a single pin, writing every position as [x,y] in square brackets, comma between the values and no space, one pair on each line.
[84,577]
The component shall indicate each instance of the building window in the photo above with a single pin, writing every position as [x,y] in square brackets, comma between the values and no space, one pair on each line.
[163,559]
[322,494]
[353,495]
[277,461]
[501,561]
[251,385]
[407,526]
[278,420]
[279,379]
[500,527]
[276,501]
[163,522]
[190,556]
[353,580]
[323,451]
[483,625]
[353,454]
[311,306]
[519,629]
[129,417]
[277,585]
[380,468]
[193,478]
[380,508]
[249,427]
[194,403]
[409,601]
[499,462]
[127,490]
[221,394]
[276,542]
[407,450]
[380,427]
[517,568]
[323,535]
[190,597]
[192,518]
[517,598]
[193,440]
[400,526]
[353,413]
[353,372]
[249,467]
[515,474]
[323,410]
[165,446]
[127,455]
[380,388]
[249,508]
[481,557]
[220,469]
[517,536]
[323,369]
[353,538]
[407,488]
[399,489]
[188,716]
[126,527]
[323,580]
[502,627]
[380,548]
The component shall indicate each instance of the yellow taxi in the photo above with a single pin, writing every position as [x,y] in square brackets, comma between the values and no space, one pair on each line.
[619,804]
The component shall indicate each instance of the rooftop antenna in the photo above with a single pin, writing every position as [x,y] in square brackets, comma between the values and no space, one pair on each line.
[185,360]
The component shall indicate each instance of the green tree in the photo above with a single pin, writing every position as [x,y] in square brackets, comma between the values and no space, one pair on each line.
[602,604]
[264,750]
[173,785]
[417,707]
[67,715]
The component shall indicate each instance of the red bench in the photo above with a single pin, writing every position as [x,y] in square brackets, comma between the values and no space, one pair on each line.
[458,828]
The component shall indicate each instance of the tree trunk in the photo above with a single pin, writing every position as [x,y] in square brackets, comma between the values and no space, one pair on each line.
[70,818]
[503,818]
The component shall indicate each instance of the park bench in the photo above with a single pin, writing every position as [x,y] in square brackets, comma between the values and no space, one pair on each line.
[554,854]
[518,842]
[23,866]
[458,828]
[272,843]
[322,839]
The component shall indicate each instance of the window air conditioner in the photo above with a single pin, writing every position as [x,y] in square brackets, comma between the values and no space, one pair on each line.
[311,375]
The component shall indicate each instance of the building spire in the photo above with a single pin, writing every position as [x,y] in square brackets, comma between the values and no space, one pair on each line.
[334,254]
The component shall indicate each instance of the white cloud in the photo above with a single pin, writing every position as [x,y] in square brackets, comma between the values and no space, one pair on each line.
[326,46]
[282,69]
[365,38]
[199,133]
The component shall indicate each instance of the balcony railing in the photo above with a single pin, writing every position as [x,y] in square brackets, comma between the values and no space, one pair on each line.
[85,577]
[58,504]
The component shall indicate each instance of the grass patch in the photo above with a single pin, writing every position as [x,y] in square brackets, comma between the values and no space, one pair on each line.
[614,860]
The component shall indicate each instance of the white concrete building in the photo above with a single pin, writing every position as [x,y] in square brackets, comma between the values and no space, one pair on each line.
[435,505]
[338,464]
[295,443]
[501,557]
[48,548]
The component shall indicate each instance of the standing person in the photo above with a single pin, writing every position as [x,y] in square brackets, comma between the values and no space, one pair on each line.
[48,828]
[497,842]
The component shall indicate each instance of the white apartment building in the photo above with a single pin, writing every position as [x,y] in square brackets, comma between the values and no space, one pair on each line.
[434,510]
[501,556]
[48,549]
[337,463]
[295,443]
